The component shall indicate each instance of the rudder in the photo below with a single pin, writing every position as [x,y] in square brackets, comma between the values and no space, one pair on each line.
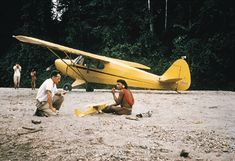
[177,75]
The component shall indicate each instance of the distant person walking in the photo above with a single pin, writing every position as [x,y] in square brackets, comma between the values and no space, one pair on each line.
[33,79]
[16,76]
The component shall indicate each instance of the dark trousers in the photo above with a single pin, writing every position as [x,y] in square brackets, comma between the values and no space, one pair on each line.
[117,110]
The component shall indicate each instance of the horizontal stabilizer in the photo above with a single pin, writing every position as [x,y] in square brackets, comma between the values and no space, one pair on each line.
[169,80]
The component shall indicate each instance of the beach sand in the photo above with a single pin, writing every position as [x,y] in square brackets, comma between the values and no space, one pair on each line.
[202,123]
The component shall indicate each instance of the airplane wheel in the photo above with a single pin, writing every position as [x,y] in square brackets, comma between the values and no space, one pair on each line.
[67,87]
[89,88]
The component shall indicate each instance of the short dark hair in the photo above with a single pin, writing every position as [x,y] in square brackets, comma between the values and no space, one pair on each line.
[123,82]
[54,73]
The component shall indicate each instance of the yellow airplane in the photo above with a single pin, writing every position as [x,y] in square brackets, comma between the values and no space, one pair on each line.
[92,68]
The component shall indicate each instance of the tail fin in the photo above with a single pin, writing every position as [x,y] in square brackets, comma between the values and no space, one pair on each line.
[177,76]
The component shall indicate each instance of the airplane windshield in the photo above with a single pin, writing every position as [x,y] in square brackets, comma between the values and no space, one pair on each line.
[79,60]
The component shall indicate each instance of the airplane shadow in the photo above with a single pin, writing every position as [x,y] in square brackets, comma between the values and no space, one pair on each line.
[138,91]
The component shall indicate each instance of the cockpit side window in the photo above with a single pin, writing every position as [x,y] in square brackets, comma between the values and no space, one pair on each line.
[93,63]
[89,63]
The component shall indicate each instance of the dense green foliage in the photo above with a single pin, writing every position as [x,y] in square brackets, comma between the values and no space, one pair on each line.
[203,30]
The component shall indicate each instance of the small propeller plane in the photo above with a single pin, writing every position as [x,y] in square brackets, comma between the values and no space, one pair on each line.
[93,68]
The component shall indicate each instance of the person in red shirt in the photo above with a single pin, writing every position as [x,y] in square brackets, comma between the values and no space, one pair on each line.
[123,102]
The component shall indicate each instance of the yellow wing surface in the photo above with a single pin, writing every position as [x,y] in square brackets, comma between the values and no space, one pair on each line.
[54,46]
[95,108]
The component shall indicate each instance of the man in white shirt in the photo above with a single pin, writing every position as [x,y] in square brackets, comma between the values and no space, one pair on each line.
[16,76]
[49,98]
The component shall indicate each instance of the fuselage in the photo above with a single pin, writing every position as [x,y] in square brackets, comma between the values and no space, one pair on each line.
[108,73]
[177,77]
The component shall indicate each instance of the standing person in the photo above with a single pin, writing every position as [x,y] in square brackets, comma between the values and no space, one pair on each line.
[49,98]
[33,79]
[16,76]
[124,101]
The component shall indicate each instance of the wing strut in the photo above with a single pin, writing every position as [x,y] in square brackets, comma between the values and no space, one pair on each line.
[77,72]
[68,57]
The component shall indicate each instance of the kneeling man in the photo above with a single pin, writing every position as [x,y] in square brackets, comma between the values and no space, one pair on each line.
[49,98]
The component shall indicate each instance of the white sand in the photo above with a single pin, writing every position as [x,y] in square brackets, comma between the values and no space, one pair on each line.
[201,122]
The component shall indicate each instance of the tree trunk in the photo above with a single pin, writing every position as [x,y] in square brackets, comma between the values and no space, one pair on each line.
[166,16]
[150,17]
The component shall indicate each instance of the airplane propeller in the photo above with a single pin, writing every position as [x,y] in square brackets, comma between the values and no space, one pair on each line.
[49,68]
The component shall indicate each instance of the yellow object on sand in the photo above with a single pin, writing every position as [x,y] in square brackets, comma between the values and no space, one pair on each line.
[95,108]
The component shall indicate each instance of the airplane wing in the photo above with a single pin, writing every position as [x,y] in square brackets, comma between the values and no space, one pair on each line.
[132,64]
[54,46]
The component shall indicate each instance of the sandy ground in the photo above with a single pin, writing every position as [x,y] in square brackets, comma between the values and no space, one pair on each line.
[200,122]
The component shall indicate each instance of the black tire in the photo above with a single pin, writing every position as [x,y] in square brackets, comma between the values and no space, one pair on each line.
[89,88]
[67,87]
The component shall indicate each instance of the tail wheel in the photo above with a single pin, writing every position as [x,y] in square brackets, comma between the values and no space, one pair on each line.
[67,87]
